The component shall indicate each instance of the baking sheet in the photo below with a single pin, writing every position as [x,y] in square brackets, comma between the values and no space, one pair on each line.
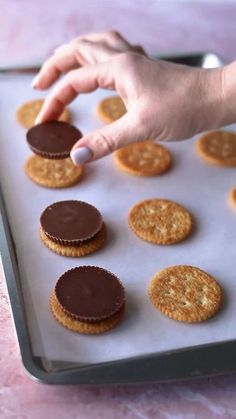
[202,188]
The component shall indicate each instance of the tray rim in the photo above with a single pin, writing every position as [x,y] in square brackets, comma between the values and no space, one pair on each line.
[34,66]
[197,361]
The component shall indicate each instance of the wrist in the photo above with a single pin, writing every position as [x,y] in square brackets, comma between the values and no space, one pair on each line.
[229,93]
[214,103]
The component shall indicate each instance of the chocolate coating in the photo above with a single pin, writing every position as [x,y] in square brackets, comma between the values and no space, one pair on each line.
[53,140]
[71,222]
[89,293]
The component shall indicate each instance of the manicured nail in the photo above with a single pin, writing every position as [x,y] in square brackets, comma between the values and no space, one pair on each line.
[81,155]
[35,81]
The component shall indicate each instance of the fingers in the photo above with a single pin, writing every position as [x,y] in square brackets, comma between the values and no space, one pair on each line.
[95,47]
[89,49]
[62,61]
[112,38]
[83,80]
[91,53]
[113,41]
[139,49]
[101,142]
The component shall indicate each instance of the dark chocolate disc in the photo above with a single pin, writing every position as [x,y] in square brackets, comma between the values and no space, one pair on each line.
[53,140]
[89,293]
[71,222]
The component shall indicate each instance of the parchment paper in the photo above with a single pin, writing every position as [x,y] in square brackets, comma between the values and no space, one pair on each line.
[202,188]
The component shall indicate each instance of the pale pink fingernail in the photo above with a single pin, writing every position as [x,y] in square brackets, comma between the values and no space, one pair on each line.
[35,81]
[81,155]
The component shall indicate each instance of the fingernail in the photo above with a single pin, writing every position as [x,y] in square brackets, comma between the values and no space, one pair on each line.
[35,81]
[81,155]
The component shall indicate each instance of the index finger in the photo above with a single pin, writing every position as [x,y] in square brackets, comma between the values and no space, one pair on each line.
[62,61]
[83,80]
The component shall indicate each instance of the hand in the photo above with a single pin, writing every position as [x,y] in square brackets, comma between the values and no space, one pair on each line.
[163,100]
[89,49]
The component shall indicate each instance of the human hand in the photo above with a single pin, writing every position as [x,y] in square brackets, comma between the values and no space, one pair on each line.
[163,100]
[81,51]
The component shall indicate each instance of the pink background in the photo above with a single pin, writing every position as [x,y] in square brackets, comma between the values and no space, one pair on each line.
[29,30]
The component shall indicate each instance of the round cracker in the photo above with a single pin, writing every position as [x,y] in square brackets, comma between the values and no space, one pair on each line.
[233,196]
[218,147]
[83,327]
[90,246]
[185,293]
[110,109]
[143,159]
[53,173]
[28,111]
[160,221]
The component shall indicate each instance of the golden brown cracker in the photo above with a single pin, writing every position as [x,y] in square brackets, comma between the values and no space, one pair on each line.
[110,109]
[83,249]
[83,327]
[143,159]
[218,147]
[185,293]
[53,173]
[28,111]
[160,221]
[233,196]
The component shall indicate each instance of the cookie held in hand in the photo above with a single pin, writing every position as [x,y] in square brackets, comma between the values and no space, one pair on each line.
[53,140]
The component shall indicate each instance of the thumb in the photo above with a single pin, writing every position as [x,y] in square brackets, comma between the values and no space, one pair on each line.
[101,142]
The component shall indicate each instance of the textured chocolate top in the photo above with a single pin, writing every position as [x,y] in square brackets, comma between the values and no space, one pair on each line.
[69,222]
[89,293]
[53,140]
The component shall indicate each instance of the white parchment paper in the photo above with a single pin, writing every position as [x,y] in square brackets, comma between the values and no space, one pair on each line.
[202,188]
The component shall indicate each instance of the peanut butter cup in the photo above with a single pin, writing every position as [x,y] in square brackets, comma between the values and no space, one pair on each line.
[72,228]
[53,139]
[88,299]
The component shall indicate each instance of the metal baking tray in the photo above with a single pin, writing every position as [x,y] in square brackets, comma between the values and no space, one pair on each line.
[210,359]
[197,59]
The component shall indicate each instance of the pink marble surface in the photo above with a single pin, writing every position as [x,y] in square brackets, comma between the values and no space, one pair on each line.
[29,31]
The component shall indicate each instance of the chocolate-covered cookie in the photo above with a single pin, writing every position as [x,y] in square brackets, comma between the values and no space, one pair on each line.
[53,139]
[89,293]
[71,222]
[72,228]
[88,299]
